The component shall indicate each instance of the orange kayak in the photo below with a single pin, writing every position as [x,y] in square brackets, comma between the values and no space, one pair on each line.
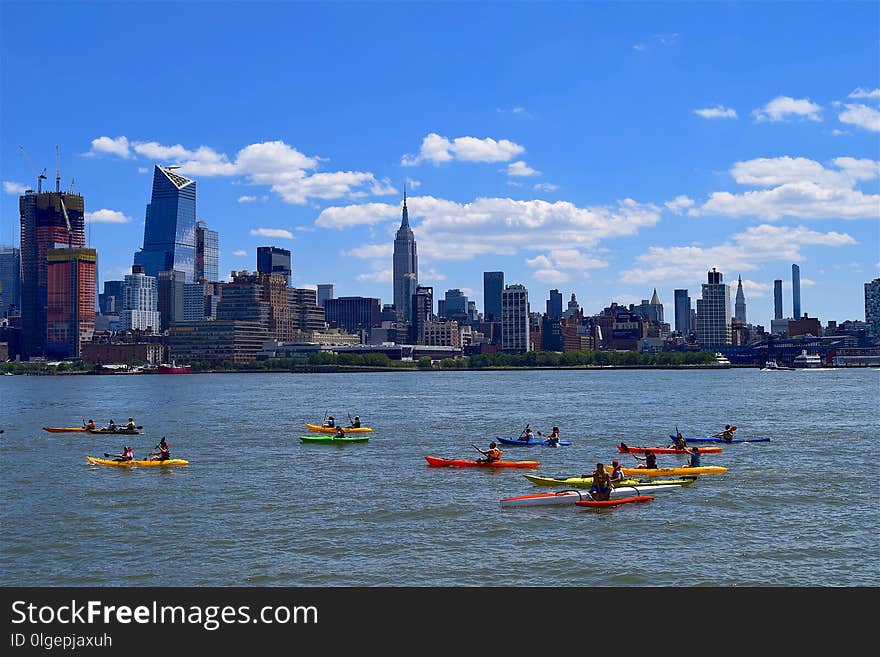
[63,429]
[437,462]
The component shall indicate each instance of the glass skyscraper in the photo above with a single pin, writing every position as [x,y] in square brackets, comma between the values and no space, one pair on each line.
[170,227]
[274,260]
[10,280]
[795,292]
[207,253]
[493,286]
[683,311]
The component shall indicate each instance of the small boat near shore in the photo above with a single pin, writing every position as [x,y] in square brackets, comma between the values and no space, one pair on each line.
[773,366]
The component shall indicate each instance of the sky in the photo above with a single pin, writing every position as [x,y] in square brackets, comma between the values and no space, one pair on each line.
[602,149]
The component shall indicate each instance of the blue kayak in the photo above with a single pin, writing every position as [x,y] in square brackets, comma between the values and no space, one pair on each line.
[712,439]
[531,443]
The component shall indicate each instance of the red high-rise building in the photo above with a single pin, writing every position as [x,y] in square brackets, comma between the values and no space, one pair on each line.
[70,295]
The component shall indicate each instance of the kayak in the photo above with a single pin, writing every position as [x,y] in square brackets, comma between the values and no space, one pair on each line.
[131,464]
[570,497]
[323,429]
[336,440]
[437,462]
[665,472]
[623,448]
[623,500]
[63,429]
[713,439]
[124,432]
[532,443]
[586,482]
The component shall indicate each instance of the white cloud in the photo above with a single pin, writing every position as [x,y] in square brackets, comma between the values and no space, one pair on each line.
[784,107]
[379,276]
[370,251]
[272,232]
[545,187]
[247,199]
[798,187]
[143,170]
[838,133]
[717,112]
[432,275]
[239,252]
[742,252]
[110,146]
[105,216]
[679,204]
[449,230]
[521,170]
[437,149]
[865,93]
[14,188]
[861,116]
[413,184]
[550,267]
[807,282]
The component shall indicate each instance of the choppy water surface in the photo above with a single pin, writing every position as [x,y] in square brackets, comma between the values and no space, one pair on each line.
[258,507]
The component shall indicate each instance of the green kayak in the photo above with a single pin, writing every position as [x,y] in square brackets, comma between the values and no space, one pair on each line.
[334,440]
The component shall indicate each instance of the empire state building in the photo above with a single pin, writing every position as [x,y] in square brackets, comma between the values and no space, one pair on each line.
[406,261]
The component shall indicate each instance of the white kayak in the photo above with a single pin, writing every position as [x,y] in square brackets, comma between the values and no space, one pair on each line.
[572,496]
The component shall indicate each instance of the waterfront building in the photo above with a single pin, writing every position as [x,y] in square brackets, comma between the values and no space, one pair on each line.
[170,226]
[275,260]
[194,295]
[107,353]
[804,326]
[795,291]
[872,305]
[258,297]
[352,313]
[554,305]
[682,312]
[305,312]
[739,309]
[493,287]
[422,312]
[515,319]
[169,292]
[777,299]
[110,300]
[48,220]
[441,334]
[207,253]
[405,261]
[10,281]
[216,341]
[325,291]
[70,300]
[713,312]
[140,301]
[779,326]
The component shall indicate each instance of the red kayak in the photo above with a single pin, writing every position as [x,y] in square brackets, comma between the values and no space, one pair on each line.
[623,448]
[623,500]
[437,462]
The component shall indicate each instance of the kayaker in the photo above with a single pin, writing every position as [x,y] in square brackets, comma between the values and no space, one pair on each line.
[528,434]
[127,454]
[553,438]
[111,426]
[650,460]
[90,426]
[164,452]
[679,442]
[356,422]
[331,422]
[616,475]
[601,488]
[727,434]
[131,426]
[492,454]
[694,460]
[340,432]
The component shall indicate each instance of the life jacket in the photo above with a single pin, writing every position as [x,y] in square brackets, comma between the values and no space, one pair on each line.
[129,453]
[494,454]
[617,474]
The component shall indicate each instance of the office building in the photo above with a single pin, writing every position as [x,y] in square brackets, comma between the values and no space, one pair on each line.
[325,291]
[48,220]
[515,319]
[795,292]
[405,261]
[410,285]
[207,253]
[739,308]
[274,260]
[170,290]
[110,300]
[778,313]
[305,312]
[651,310]
[554,305]
[713,312]
[872,305]
[455,306]
[422,312]
[170,226]
[352,313]
[493,287]
[683,310]
[140,302]
[70,300]
[10,281]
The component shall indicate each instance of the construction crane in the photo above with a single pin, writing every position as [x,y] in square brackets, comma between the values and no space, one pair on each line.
[57,169]
[67,221]
[41,177]
[72,181]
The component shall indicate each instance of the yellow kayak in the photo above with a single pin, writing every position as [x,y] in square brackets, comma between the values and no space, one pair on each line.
[665,472]
[131,464]
[323,429]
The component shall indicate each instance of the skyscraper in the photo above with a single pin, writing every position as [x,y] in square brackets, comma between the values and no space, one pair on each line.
[110,300]
[456,306]
[410,285]
[554,305]
[682,312]
[795,292]
[70,305]
[48,220]
[493,286]
[422,312]
[325,291]
[140,301]
[777,299]
[169,291]
[274,260]
[713,312]
[740,306]
[10,280]
[207,253]
[515,319]
[872,305]
[406,261]
[170,226]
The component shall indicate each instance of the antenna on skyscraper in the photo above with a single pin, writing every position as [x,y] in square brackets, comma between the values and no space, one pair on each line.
[57,168]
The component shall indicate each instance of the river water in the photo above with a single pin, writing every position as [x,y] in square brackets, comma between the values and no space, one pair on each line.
[257,507]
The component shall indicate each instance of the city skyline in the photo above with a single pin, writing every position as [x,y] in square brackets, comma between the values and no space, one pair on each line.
[537,180]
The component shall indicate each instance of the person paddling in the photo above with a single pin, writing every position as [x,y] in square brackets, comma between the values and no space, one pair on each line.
[601,488]
[90,426]
[331,422]
[127,454]
[679,442]
[694,460]
[650,460]
[111,426]
[131,426]
[164,452]
[553,438]
[356,422]
[616,475]
[340,432]
[727,434]
[492,454]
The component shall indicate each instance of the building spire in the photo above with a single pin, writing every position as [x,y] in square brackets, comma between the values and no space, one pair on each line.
[405,221]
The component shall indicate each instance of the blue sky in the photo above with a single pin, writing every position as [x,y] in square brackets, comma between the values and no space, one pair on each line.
[603,149]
